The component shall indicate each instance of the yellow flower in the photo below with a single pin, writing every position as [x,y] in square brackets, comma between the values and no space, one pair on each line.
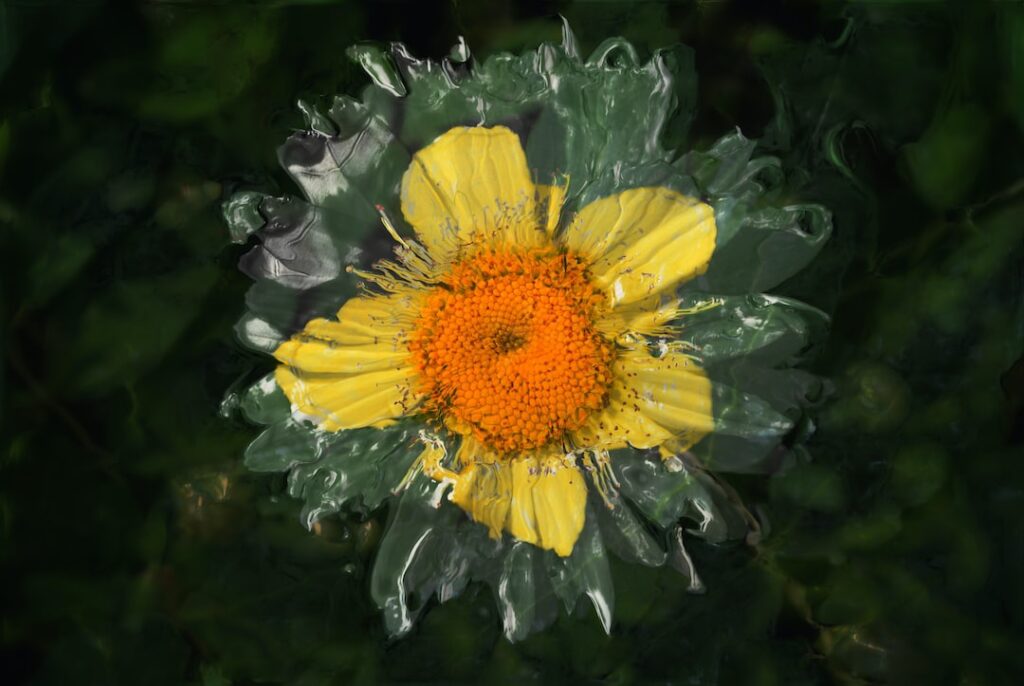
[526,336]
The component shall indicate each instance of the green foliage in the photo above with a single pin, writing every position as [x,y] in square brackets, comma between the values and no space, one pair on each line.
[137,548]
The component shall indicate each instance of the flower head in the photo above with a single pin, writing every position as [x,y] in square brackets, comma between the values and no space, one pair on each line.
[546,342]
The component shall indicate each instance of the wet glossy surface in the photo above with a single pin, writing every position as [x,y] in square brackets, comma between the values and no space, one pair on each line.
[870,537]
[592,138]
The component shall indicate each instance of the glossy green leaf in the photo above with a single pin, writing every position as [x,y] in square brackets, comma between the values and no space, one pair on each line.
[665,492]
[769,246]
[585,572]
[362,463]
[264,402]
[258,334]
[516,591]
[429,550]
[412,536]
[242,215]
[769,329]
[624,534]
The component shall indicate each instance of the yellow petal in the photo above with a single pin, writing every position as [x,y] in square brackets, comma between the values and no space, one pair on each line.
[549,500]
[366,321]
[471,186]
[559,504]
[620,423]
[351,402]
[355,371]
[371,318]
[643,241]
[522,522]
[651,400]
[647,317]
[549,206]
[652,316]
[539,499]
[318,356]
[431,460]
[483,489]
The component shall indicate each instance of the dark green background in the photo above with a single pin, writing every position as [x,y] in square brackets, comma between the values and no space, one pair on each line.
[136,550]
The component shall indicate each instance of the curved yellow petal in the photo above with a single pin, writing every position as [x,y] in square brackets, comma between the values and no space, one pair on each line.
[550,199]
[351,401]
[324,357]
[652,316]
[651,400]
[648,317]
[371,318]
[537,499]
[548,506]
[643,241]
[483,489]
[471,186]
[522,520]
[368,330]
[559,504]
[355,371]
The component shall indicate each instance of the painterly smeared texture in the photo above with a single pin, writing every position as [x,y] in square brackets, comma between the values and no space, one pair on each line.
[558,327]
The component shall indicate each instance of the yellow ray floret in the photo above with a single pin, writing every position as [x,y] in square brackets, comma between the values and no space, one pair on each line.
[351,402]
[539,498]
[651,400]
[550,199]
[643,241]
[471,187]
[355,371]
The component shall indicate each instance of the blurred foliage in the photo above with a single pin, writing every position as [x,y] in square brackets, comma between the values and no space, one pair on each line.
[136,547]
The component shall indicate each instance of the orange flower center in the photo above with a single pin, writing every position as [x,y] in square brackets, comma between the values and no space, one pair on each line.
[506,348]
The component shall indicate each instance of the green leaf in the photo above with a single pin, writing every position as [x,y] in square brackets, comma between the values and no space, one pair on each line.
[624,534]
[348,175]
[769,329]
[241,213]
[281,447]
[584,572]
[414,537]
[516,591]
[264,402]
[367,464]
[769,245]
[665,495]
[379,66]
[257,334]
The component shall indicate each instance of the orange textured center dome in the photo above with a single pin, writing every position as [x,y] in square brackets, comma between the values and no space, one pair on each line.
[507,350]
